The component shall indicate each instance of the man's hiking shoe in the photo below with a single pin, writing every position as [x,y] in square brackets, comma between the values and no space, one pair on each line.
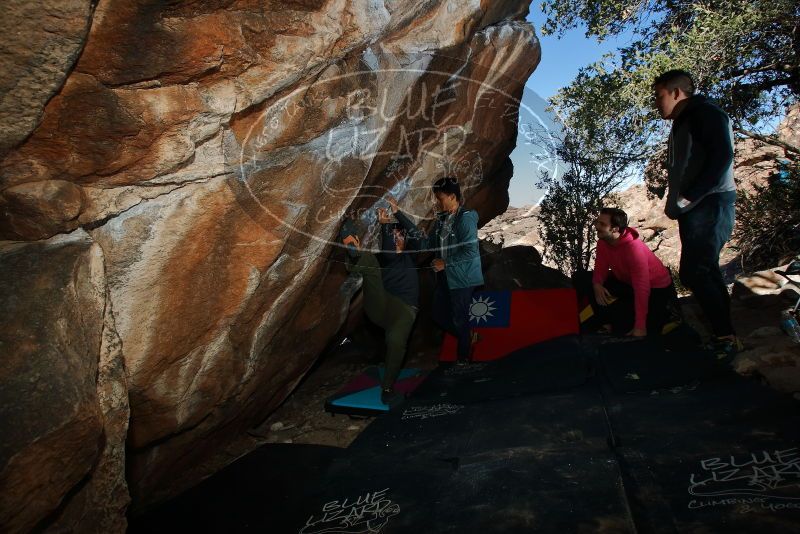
[604,330]
[391,398]
[726,348]
[348,235]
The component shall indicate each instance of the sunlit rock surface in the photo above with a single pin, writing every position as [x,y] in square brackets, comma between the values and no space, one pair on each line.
[41,42]
[205,153]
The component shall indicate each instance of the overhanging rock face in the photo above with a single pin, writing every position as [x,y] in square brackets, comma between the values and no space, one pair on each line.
[207,152]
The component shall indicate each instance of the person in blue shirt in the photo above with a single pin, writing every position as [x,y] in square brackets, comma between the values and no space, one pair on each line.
[457,263]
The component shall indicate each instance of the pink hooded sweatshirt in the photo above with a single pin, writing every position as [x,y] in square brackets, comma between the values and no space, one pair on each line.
[633,263]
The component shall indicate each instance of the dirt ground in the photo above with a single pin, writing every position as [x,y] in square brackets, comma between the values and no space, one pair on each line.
[303,419]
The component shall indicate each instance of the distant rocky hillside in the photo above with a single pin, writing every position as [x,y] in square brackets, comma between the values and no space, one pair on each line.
[517,226]
[520,226]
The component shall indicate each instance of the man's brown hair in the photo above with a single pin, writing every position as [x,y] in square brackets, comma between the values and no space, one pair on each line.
[619,219]
[676,79]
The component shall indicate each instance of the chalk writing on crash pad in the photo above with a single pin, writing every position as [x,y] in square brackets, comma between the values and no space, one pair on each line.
[429,412]
[458,370]
[366,514]
[773,474]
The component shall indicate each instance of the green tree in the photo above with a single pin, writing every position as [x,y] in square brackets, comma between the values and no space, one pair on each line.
[768,220]
[742,53]
[593,167]
[745,54]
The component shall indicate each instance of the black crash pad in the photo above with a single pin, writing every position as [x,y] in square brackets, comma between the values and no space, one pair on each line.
[447,431]
[538,462]
[553,365]
[645,365]
[712,406]
[502,490]
[244,496]
[732,482]
[533,442]
[721,455]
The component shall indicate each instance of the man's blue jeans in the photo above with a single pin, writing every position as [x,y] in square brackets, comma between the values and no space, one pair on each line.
[704,230]
[451,313]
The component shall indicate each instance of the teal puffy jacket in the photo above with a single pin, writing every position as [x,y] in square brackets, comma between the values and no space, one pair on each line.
[463,259]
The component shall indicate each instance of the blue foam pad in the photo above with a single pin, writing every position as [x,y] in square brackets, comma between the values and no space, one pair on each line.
[366,399]
[362,396]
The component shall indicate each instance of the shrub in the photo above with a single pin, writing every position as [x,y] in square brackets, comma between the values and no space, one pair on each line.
[767,231]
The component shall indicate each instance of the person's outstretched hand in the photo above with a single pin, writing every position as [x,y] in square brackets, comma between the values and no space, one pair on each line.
[352,240]
[383,216]
[438,264]
[601,295]
[392,203]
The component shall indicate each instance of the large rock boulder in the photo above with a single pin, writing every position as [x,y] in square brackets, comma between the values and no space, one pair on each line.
[757,302]
[209,151]
[517,226]
[41,41]
[517,267]
[63,397]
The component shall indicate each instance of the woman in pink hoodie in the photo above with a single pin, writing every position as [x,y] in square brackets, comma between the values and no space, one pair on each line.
[631,289]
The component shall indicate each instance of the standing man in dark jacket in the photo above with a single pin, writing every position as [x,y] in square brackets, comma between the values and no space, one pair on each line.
[701,194]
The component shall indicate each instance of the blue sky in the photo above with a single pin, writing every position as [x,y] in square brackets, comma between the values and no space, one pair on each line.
[561,60]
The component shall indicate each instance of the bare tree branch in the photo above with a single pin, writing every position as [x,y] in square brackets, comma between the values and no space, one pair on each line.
[780,67]
[770,140]
[766,84]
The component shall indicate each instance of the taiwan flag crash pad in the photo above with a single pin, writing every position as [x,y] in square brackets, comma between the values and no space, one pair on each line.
[506,321]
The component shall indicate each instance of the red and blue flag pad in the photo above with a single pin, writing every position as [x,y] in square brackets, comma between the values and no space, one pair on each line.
[507,321]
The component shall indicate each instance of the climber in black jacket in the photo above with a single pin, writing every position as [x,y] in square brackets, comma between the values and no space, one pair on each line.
[391,292]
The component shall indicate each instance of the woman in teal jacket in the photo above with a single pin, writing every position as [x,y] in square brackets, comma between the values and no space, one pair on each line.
[457,264]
